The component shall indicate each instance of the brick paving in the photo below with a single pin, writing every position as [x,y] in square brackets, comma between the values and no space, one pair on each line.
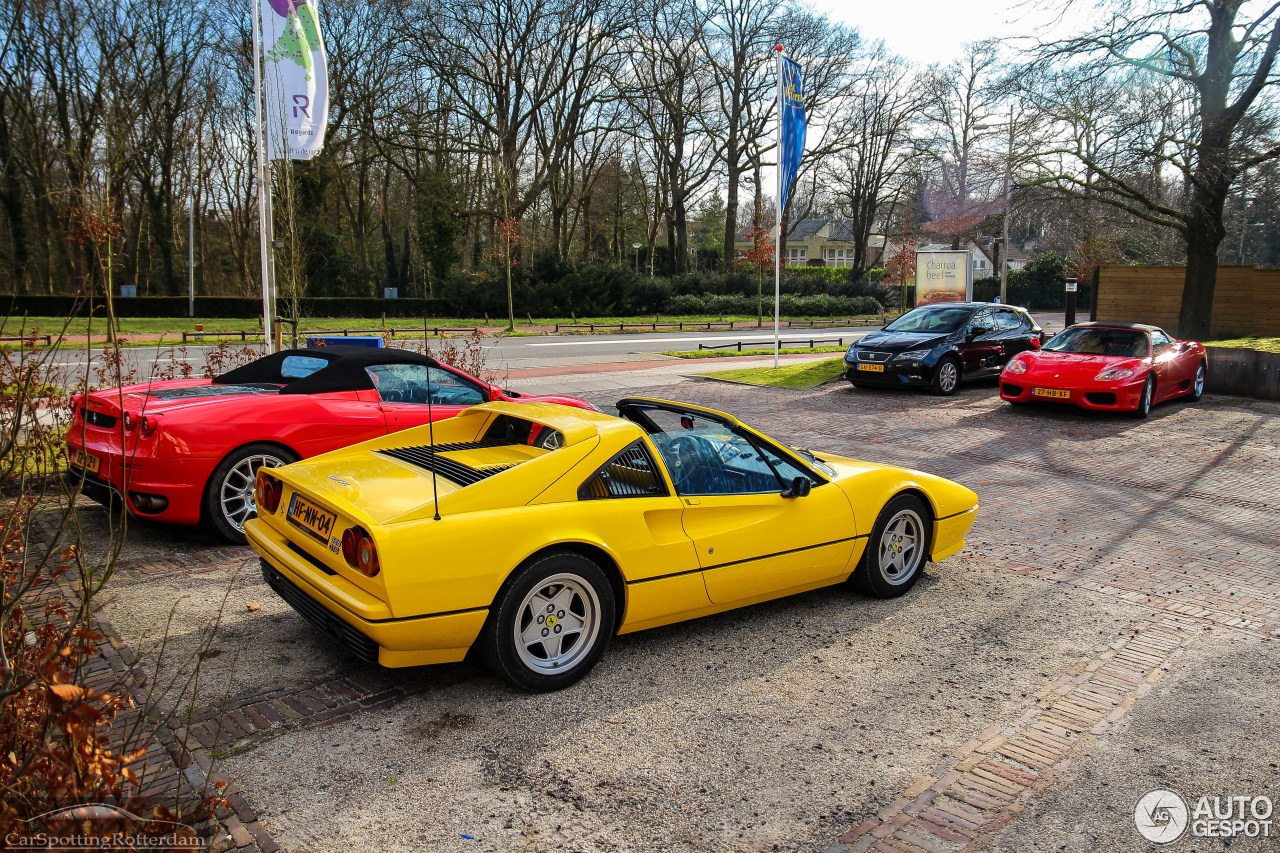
[1176,514]
[994,775]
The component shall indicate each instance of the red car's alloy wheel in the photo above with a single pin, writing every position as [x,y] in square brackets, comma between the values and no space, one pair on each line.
[229,499]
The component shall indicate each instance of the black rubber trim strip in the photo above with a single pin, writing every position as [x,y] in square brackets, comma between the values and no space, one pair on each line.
[750,559]
[422,615]
[954,514]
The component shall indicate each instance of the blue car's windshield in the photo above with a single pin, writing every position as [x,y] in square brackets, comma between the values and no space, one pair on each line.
[942,320]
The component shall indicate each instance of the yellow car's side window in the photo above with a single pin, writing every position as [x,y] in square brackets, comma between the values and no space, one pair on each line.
[630,474]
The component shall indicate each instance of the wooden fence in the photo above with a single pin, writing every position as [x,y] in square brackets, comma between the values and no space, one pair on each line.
[1246,300]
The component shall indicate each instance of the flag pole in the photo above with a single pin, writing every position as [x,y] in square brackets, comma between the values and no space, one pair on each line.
[777,230]
[264,203]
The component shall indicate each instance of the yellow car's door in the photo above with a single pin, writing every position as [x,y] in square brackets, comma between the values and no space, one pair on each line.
[752,541]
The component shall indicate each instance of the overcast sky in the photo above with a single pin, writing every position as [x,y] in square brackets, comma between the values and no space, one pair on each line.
[928,31]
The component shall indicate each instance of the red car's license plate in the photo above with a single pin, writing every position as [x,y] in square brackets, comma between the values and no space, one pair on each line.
[87,461]
[311,518]
[1055,393]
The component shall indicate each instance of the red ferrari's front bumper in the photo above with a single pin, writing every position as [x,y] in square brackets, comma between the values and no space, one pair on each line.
[168,490]
[1100,396]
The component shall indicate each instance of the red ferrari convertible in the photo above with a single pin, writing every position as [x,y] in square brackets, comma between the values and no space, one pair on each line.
[1111,366]
[186,451]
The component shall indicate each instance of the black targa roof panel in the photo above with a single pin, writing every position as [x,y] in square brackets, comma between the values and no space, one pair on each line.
[344,372]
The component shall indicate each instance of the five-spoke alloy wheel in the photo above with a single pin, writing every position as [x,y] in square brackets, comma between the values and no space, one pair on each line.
[897,549]
[550,623]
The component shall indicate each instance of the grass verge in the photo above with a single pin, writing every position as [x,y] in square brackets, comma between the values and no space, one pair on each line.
[810,374]
[1260,344]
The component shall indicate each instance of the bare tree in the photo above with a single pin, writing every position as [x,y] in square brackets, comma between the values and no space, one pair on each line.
[1208,66]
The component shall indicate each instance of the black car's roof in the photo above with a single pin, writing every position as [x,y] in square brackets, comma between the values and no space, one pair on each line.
[345,370]
[974,305]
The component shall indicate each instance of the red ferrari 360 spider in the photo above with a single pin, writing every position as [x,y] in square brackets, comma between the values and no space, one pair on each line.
[1113,366]
[186,451]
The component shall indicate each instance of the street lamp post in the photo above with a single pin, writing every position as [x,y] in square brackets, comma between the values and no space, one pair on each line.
[636,246]
[1244,228]
[1008,203]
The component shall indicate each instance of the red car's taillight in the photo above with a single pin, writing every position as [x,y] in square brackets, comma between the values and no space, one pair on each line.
[130,421]
[266,493]
[148,424]
[359,551]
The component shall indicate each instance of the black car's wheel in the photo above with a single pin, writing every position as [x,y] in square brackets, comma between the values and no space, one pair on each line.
[1144,402]
[228,496]
[895,554]
[946,377]
[1197,383]
[550,623]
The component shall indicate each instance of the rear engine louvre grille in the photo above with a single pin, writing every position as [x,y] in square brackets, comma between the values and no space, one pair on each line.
[98,419]
[468,445]
[450,469]
[342,633]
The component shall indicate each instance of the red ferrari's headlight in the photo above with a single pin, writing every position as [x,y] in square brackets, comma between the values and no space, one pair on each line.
[359,551]
[266,493]
[1016,367]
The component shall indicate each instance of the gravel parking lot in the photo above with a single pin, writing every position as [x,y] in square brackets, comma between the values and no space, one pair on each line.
[1112,627]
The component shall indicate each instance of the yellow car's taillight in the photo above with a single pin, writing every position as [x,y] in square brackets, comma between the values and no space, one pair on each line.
[359,551]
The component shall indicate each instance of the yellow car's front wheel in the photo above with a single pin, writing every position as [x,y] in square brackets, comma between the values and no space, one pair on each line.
[550,623]
[897,549]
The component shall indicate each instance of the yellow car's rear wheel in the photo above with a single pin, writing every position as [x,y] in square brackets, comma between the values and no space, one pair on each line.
[550,623]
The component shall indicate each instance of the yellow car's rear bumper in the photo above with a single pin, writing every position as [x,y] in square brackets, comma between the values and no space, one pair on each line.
[949,533]
[373,635]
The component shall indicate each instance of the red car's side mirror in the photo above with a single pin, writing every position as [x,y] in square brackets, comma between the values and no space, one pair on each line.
[1035,343]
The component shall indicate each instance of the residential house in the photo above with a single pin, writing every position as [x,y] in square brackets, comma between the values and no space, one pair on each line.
[819,242]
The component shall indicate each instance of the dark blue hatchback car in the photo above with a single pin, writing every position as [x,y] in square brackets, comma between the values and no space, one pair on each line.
[939,346]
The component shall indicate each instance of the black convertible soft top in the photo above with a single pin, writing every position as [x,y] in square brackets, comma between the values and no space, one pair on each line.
[345,370]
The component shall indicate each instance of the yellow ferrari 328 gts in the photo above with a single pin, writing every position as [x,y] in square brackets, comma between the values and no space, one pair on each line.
[534,532]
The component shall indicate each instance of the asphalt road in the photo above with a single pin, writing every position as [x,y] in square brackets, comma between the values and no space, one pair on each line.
[523,351]
[514,352]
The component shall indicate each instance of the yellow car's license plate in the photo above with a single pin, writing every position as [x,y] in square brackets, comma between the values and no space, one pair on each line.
[1051,392]
[88,461]
[311,518]
[871,368]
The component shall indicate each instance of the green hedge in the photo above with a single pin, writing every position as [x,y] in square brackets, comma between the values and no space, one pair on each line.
[547,290]
[234,307]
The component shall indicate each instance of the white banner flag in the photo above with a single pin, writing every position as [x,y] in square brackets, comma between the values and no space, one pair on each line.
[296,80]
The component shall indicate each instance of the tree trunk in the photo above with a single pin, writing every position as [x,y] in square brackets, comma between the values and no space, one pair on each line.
[734,175]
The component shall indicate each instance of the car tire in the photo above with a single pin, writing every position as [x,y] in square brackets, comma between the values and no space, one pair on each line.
[1148,394]
[1198,383]
[516,643]
[897,550]
[228,495]
[946,377]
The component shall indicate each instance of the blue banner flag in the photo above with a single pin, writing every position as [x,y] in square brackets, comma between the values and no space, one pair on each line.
[792,124]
